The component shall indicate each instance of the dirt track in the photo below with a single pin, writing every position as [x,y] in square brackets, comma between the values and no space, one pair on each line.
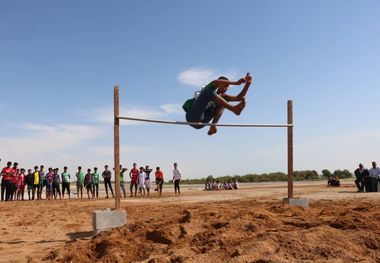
[248,225]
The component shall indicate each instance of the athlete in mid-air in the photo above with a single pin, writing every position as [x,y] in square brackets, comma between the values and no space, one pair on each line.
[211,101]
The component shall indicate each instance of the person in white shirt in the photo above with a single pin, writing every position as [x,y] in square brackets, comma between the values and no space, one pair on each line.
[177,175]
[141,181]
[374,177]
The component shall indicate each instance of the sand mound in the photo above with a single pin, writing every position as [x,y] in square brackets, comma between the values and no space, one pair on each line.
[237,231]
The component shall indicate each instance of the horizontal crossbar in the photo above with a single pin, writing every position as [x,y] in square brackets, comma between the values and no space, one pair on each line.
[208,124]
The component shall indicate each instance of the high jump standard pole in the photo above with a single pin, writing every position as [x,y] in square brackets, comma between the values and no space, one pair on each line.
[290,149]
[116,146]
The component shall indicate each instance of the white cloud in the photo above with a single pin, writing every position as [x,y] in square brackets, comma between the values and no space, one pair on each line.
[201,76]
[105,114]
[42,143]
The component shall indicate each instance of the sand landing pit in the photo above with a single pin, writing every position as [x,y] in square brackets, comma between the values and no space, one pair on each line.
[247,225]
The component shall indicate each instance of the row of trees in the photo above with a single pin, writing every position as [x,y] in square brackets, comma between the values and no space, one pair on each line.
[307,175]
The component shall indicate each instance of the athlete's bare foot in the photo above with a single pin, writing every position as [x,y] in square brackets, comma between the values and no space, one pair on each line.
[212,130]
[239,108]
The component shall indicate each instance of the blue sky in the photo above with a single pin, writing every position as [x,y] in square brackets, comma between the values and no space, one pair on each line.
[60,60]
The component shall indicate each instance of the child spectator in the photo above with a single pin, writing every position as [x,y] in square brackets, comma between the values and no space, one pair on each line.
[88,184]
[159,180]
[141,181]
[21,185]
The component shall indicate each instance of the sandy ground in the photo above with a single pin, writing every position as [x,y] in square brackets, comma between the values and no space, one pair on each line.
[246,225]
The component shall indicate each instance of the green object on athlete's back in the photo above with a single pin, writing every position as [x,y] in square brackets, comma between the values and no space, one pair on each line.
[188,103]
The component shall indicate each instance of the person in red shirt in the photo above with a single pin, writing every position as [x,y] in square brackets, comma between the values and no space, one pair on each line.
[159,180]
[14,181]
[134,175]
[7,174]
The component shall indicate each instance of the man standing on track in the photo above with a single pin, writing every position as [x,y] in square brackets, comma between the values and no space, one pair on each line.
[159,180]
[65,176]
[177,175]
[80,182]
[374,176]
[122,180]
[6,174]
[36,183]
[134,175]
[107,180]
[42,182]
[95,182]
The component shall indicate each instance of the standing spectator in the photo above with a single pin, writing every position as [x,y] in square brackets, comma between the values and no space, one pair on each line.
[14,181]
[122,180]
[21,185]
[159,180]
[147,178]
[95,182]
[42,182]
[374,174]
[56,184]
[80,181]
[134,175]
[235,184]
[49,183]
[141,181]
[36,183]
[88,184]
[107,180]
[65,176]
[7,174]
[29,181]
[177,175]
[360,174]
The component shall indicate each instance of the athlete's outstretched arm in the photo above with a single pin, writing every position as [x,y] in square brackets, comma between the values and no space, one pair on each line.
[218,82]
[243,92]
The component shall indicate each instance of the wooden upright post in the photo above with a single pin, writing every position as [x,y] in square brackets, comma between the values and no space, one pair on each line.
[116,147]
[290,149]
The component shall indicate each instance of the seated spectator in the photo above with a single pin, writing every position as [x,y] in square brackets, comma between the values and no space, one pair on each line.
[333,181]
[229,186]
[207,186]
[361,173]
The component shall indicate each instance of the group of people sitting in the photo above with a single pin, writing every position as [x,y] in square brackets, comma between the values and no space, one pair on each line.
[217,185]
[368,180]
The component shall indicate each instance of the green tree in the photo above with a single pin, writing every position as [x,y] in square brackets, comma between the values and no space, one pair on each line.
[326,173]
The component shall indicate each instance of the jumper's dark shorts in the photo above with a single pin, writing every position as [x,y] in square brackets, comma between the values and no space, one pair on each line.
[198,111]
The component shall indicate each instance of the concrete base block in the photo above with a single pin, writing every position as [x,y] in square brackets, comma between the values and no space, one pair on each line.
[304,202]
[107,219]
